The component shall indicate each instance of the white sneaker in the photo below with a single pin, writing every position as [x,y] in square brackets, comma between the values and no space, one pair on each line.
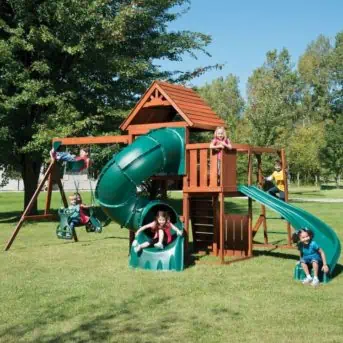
[315,282]
[158,245]
[307,281]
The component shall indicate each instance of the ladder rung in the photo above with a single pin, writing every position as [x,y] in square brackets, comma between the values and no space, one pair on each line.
[197,217]
[199,224]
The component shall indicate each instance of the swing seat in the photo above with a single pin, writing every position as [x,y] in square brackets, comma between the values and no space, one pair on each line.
[100,215]
[64,231]
[75,166]
[94,224]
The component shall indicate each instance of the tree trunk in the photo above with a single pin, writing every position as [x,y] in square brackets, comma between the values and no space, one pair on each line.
[337,180]
[31,167]
[298,179]
[316,180]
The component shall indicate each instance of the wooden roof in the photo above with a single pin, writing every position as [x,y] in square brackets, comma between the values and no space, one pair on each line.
[165,102]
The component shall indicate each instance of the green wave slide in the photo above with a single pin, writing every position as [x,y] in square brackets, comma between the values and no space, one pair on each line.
[159,152]
[298,218]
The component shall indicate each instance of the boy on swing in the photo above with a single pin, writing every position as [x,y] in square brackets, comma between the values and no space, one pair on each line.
[68,157]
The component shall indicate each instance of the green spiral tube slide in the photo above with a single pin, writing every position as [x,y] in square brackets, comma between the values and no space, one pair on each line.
[161,152]
[324,235]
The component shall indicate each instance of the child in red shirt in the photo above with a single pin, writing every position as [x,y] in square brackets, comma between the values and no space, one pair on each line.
[161,228]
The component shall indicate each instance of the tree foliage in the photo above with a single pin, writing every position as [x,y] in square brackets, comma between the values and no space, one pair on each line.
[273,94]
[304,149]
[331,154]
[68,66]
[316,80]
[224,97]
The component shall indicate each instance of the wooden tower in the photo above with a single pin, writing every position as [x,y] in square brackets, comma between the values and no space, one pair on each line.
[204,188]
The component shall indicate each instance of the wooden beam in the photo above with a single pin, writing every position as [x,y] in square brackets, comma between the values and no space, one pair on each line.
[155,102]
[41,216]
[93,140]
[139,129]
[258,150]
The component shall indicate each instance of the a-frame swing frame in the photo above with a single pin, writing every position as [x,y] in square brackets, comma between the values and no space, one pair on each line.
[52,175]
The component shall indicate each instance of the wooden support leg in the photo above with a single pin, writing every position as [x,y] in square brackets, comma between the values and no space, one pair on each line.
[63,195]
[29,206]
[185,214]
[250,227]
[221,226]
[289,234]
[216,224]
[265,232]
[49,193]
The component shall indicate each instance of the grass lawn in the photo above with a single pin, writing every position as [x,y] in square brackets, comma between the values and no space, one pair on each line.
[59,291]
[315,192]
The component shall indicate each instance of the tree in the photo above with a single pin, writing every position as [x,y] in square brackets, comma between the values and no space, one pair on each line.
[68,66]
[316,80]
[303,150]
[332,152]
[273,95]
[336,68]
[224,97]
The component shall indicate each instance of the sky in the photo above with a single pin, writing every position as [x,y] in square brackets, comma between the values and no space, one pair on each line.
[243,31]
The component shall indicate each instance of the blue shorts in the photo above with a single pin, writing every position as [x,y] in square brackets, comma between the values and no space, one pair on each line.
[310,259]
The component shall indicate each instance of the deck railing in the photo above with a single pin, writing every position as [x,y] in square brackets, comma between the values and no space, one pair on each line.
[205,174]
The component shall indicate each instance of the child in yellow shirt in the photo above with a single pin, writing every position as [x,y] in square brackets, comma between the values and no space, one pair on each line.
[278,177]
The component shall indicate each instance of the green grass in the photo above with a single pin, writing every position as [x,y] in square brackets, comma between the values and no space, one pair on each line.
[314,192]
[57,291]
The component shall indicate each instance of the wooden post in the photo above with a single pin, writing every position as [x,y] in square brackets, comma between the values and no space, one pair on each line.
[263,208]
[63,195]
[49,192]
[186,200]
[285,177]
[29,206]
[185,215]
[221,226]
[216,224]
[250,234]
[249,167]
[250,202]
[131,233]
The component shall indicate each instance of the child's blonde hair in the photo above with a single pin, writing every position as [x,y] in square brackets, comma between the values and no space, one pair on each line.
[220,128]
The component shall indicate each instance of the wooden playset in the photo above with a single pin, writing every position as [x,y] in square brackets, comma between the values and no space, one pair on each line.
[204,187]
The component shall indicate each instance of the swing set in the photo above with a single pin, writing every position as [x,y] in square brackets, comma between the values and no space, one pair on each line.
[53,176]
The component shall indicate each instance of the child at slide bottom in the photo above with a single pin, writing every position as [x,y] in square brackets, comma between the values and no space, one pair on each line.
[310,255]
[161,228]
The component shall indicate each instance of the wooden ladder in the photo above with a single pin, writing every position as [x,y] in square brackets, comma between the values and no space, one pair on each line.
[202,219]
